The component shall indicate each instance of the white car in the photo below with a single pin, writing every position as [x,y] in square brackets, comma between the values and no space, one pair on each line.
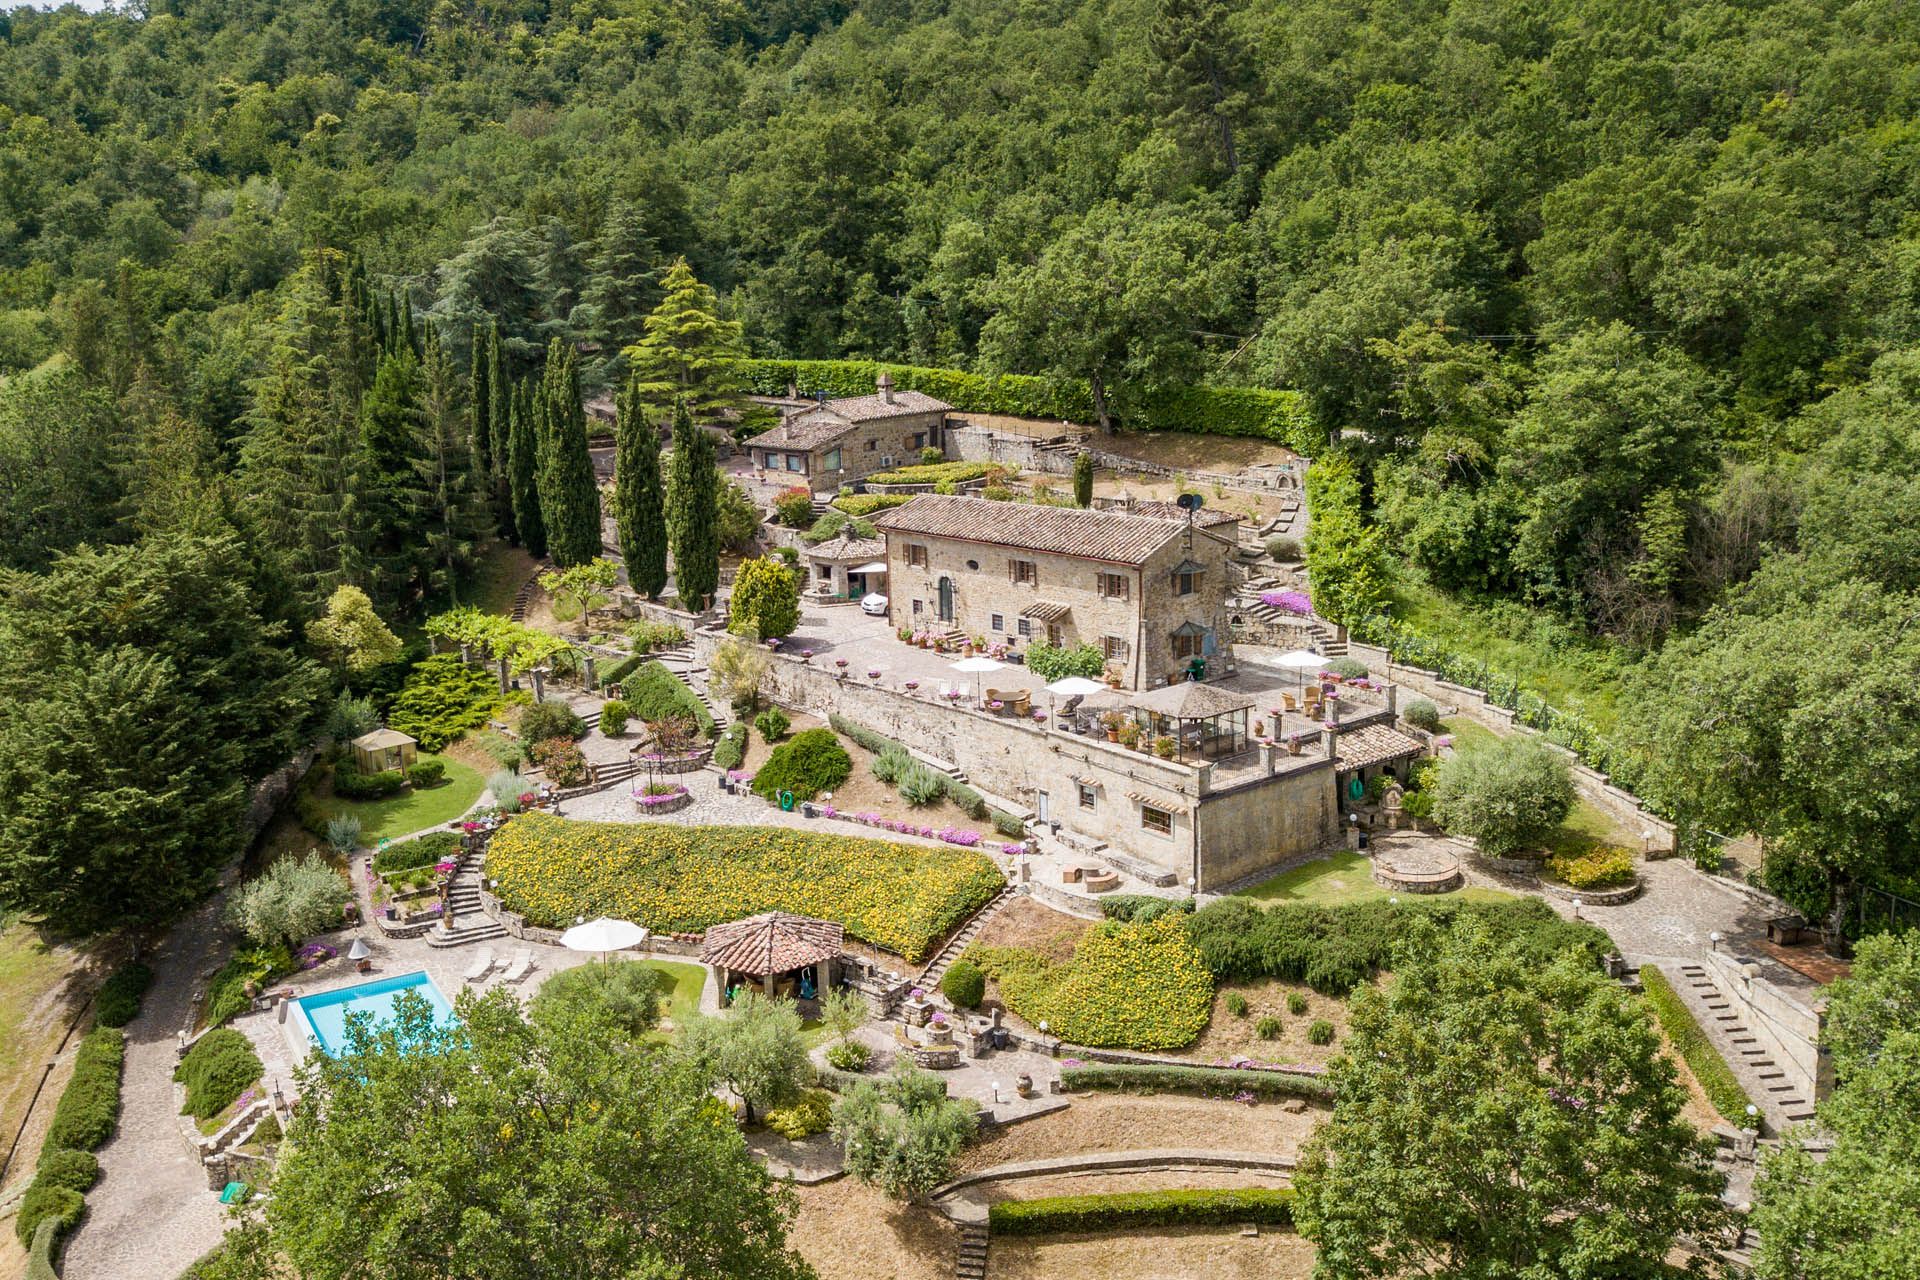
[874,603]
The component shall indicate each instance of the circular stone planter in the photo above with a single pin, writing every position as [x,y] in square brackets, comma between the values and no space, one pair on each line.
[662,804]
[1593,897]
[1417,871]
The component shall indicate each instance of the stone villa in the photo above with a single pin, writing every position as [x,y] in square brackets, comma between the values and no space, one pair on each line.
[1148,587]
[836,442]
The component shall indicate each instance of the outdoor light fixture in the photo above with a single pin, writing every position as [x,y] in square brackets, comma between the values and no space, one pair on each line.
[1714,939]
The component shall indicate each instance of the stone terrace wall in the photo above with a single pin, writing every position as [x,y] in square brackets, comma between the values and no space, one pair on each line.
[968,443]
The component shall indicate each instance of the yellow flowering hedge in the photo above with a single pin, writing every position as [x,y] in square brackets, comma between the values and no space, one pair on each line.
[903,898]
[1128,986]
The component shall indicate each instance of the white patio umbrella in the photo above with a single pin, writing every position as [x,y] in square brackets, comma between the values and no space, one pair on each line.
[1074,687]
[603,935]
[1300,661]
[977,666]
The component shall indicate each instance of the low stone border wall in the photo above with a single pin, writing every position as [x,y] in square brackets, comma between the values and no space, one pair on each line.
[1119,1162]
[1511,866]
[1591,897]
[673,804]
[1417,881]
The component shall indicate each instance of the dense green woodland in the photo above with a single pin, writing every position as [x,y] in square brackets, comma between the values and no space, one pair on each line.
[1616,310]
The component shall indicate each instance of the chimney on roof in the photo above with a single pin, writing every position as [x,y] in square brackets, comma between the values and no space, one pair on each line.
[885,384]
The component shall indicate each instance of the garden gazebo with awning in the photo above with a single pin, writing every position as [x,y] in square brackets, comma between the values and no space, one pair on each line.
[778,953]
[1203,719]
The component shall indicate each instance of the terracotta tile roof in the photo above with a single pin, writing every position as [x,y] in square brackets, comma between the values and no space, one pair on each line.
[1205,518]
[1374,744]
[1110,536]
[804,430]
[772,943]
[824,423]
[843,547]
[875,407]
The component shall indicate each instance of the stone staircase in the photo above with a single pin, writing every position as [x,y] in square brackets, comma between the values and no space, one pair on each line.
[1780,1102]
[523,598]
[971,1262]
[695,679]
[470,923]
[962,938]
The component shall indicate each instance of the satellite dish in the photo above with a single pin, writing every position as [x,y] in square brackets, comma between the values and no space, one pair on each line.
[1190,502]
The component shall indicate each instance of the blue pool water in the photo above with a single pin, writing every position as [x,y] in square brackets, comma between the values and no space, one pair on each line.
[323,1015]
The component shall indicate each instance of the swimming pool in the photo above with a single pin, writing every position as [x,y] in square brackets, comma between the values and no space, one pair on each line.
[322,1017]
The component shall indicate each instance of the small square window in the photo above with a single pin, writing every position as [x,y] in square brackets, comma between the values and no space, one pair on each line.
[1085,791]
[1026,626]
[1156,820]
[916,606]
[1024,571]
[998,623]
[872,445]
[1183,583]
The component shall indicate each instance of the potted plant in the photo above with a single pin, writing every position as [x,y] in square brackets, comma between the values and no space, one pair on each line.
[1111,722]
[1129,733]
[1293,743]
[1164,747]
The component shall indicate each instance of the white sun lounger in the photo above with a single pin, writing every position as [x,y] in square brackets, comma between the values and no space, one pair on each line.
[520,966]
[482,965]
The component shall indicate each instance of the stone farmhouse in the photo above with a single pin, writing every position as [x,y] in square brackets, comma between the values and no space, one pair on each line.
[1148,586]
[836,442]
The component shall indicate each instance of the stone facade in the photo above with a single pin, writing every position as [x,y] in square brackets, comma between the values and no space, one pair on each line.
[1149,620]
[1196,821]
[837,442]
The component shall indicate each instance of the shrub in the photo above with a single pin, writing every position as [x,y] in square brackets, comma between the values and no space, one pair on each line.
[812,1114]
[550,719]
[920,784]
[1208,1082]
[89,1108]
[1142,1211]
[964,984]
[1508,796]
[1606,867]
[1142,906]
[216,1070]
[731,750]
[772,724]
[626,993]
[1128,986]
[954,473]
[965,798]
[562,760]
[350,784]
[45,1203]
[1333,949]
[849,1055]
[810,763]
[1281,547]
[227,991]
[343,833]
[1716,1078]
[655,693]
[1296,1003]
[422,852]
[1347,668]
[834,523]
[442,699]
[119,999]
[683,879]
[865,504]
[1320,1032]
[508,753]
[427,773]
[891,763]
[289,900]
[646,636]
[794,507]
[765,600]
[1236,1004]
[1268,1027]
[1422,714]
[1051,662]
[1008,824]
[349,717]
[613,718]
[1346,557]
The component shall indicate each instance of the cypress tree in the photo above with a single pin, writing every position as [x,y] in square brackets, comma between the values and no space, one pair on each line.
[569,496]
[452,512]
[692,493]
[480,412]
[500,378]
[522,470]
[639,505]
[392,426]
[1083,480]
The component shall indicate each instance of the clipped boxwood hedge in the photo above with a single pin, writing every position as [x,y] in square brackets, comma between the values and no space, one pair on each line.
[40,1254]
[62,1206]
[810,763]
[216,1070]
[1220,411]
[1716,1078]
[865,504]
[119,999]
[652,693]
[1141,1210]
[89,1110]
[1206,1082]
[422,852]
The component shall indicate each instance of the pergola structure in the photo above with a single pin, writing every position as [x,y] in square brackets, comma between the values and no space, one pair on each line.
[781,954]
[1203,719]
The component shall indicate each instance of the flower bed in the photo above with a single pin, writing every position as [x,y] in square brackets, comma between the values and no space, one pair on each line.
[658,799]
[901,827]
[1607,867]
[1142,1210]
[1128,986]
[1288,601]
[683,879]
[1207,1082]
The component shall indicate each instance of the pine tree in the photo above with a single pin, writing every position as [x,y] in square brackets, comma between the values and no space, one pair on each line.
[692,493]
[452,517]
[569,494]
[392,427]
[522,472]
[639,504]
[688,354]
[623,284]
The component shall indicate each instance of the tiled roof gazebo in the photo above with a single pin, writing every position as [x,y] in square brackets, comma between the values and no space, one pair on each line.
[782,954]
[1202,718]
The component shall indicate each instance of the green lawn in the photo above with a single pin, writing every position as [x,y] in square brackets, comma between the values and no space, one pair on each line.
[412,810]
[682,999]
[1345,877]
[1468,735]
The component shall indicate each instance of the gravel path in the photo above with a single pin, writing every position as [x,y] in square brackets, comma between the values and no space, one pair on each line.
[151,1214]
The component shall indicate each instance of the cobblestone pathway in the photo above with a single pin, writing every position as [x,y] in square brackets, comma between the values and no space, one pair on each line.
[151,1214]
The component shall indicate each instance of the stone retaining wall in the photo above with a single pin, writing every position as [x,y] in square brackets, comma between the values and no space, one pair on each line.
[1791,1027]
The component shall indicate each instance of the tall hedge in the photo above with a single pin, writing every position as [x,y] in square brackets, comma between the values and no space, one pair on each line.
[89,1110]
[1346,556]
[1221,411]
[1142,1210]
